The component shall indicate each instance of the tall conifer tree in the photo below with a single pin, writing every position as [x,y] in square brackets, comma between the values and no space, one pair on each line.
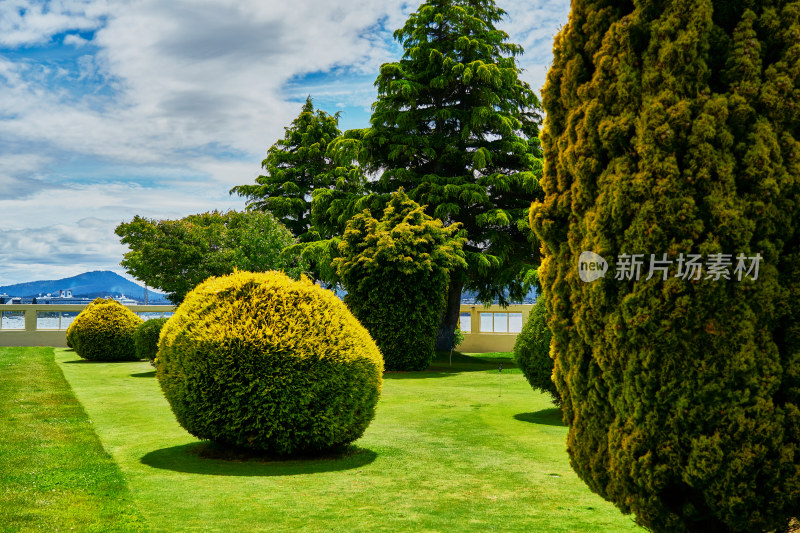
[296,166]
[673,127]
[455,126]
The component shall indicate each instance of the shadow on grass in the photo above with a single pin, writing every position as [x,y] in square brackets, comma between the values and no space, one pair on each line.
[216,460]
[88,362]
[548,417]
[422,374]
[150,374]
[441,366]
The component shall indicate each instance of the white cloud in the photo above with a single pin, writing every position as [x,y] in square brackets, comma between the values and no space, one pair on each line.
[27,22]
[176,102]
[190,74]
[75,40]
[87,67]
[48,232]
[533,25]
[112,201]
[60,250]
[217,70]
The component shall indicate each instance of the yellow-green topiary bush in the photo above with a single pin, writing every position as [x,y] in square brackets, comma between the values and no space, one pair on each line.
[104,331]
[73,327]
[265,362]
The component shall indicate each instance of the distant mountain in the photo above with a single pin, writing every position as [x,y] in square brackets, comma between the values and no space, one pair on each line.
[86,285]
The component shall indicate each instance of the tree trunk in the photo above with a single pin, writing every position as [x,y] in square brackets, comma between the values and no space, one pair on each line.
[447,326]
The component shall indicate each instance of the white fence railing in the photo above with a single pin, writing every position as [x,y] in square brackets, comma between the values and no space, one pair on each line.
[486,329]
[46,324]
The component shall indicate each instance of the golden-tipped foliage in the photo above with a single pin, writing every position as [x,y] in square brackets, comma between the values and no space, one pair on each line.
[672,128]
[396,272]
[104,331]
[265,362]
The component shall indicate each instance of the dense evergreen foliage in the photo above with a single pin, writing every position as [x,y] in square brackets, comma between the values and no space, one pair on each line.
[532,352]
[396,271]
[261,361]
[104,331]
[674,128]
[146,338]
[296,166]
[175,255]
[455,127]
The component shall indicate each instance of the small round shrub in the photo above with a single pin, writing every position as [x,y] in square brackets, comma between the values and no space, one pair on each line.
[532,352]
[146,338]
[103,331]
[72,341]
[458,338]
[71,335]
[261,361]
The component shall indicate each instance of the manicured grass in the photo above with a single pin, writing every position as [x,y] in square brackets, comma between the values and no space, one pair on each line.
[54,473]
[446,452]
[460,362]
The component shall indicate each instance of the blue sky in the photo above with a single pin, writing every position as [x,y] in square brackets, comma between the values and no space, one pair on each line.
[109,109]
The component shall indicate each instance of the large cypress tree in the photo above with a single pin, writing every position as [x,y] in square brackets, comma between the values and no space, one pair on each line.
[456,128]
[673,127]
[296,166]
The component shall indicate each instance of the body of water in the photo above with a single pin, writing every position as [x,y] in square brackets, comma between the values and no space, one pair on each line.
[59,320]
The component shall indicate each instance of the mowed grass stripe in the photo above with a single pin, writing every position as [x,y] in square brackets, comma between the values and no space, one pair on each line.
[54,473]
[446,452]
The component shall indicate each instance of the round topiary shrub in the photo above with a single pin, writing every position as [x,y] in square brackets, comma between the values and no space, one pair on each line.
[265,362]
[71,334]
[103,331]
[146,338]
[71,338]
[532,352]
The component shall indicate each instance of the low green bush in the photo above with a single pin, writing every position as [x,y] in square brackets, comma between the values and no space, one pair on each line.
[532,352]
[146,338]
[261,361]
[104,331]
[458,338]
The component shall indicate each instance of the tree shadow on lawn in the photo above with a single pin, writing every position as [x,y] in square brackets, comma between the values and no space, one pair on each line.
[218,460]
[93,362]
[440,366]
[150,374]
[548,417]
[422,374]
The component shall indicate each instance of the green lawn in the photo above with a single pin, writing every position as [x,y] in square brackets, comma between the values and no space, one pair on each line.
[54,473]
[455,449]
